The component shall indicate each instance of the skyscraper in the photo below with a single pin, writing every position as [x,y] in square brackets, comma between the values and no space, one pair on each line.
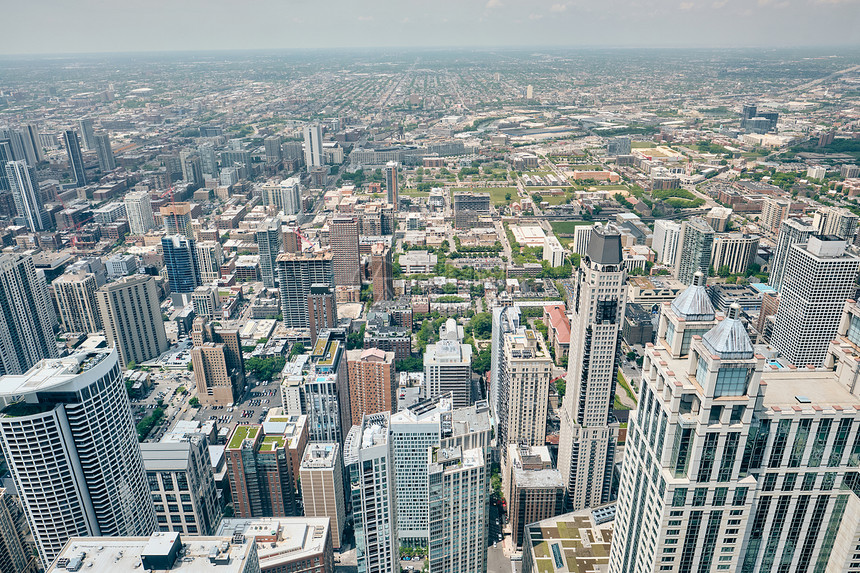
[458,507]
[313,146]
[343,237]
[27,196]
[180,258]
[26,335]
[736,462]
[736,251]
[791,232]
[76,300]
[177,219]
[219,369]
[208,160]
[835,221]
[296,273]
[107,162]
[273,149]
[372,384]
[76,158]
[391,183]
[322,486]
[819,278]
[505,319]
[665,244]
[6,156]
[192,168]
[367,458]
[773,212]
[258,463]
[381,272]
[525,371]
[586,454]
[132,320]
[694,249]
[448,366]
[210,256]
[322,309]
[268,237]
[85,125]
[32,145]
[71,445]
[15,556]
[138,209]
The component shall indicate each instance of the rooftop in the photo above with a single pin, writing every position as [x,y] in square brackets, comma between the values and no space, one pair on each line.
[242,433]
[52,373]
[574,542]
[281,540]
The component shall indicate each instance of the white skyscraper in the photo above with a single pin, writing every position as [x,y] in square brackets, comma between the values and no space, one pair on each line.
[458,506]
[291,196]
[588,430]
[694,249]
[87,133]
[367,458]
[505,319]
[69,439]
[268,236]
[836,221]
[666,237]
[26,333]
[819,278]
[448,366]
[138,209]
[791,232]
[209,258]
[313,146]
[28,199]
[525,371]
[581,236]
[734,462]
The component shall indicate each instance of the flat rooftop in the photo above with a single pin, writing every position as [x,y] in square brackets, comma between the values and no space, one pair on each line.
[281,540]
[241,434]
[52,372]
[122,555]
[570,543]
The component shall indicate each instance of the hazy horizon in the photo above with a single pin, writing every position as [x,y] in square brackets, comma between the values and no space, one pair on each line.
[95,27]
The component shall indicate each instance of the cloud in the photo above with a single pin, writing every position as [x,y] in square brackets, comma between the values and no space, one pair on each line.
[493,4]
[365,18]
[719,4]
[535,16]
[836,1]
[558,8]
[686,5]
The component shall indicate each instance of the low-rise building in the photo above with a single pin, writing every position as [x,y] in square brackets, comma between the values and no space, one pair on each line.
[286,544]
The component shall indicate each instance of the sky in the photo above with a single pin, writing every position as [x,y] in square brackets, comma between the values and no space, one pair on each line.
[84,26]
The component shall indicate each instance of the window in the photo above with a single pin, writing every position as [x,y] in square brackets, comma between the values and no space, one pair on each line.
[680,498]
[740,496]
[731,381]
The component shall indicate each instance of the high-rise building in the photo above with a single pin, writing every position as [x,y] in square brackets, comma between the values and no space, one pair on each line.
[177,219]
[367,458]
[381,272]
[268,237]
[17,145]
[694,249]
[458,509]
[208,159]
[525,373]
[322,486]
[735,251]
[533,487]
[273,149]
[260,468]
[372,385]
[107,162]
[24,185]
[70,443]
[32,145]
[138,209]
[76,158]
[26,335]
[206,302]
[773,212]
[192,168]
[819,277]
[416,429]
[505,319]
[219,368]
[586,455]
[291,196]
[791,232]
[85,125]
[391,182]
[132,320]
[296,273]
[618,146]
[343,237]
[322,309]
[182,484]
[313,146]
[210,257]
[180,259]
[76,301]
[448,366]
[6,156]
[15,555]
[665,243]
[835,221]
[738,462]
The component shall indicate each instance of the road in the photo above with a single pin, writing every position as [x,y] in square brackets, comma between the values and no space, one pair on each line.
[498,562]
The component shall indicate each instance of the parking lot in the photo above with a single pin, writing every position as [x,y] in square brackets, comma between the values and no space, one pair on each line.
[252,409]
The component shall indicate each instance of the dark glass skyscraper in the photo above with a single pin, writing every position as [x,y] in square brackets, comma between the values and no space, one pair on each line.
[76,159]
[180,258]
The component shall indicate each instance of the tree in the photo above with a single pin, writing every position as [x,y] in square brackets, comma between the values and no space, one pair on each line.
[724,271]
[355,340]
[194,402]
[265,369]
[481,361]
[482,325]
[560,387]
[411,364]
[508,196]
[298,348]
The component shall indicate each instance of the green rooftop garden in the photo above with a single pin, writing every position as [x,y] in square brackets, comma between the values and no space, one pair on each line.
[272,443]
[241,434]
[24,409]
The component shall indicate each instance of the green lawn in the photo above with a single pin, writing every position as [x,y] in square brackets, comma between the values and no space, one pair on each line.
[567,227]
[557,199]
[414,193]
[641,144]
[497,194]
